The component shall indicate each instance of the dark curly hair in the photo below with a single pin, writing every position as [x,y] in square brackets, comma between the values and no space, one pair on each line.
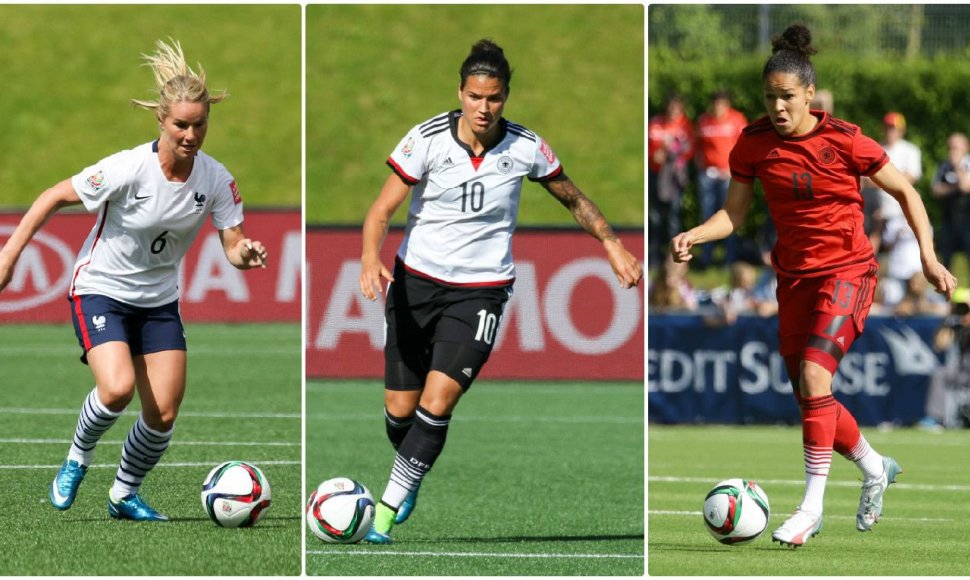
[790,54]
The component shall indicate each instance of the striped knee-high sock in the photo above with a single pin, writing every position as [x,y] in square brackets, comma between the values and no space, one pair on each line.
[143,449]
[818,434]
[852,444]
[417,454]
[95,419]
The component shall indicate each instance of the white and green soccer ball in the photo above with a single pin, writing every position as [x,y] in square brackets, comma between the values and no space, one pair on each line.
[340,511]
[736,511]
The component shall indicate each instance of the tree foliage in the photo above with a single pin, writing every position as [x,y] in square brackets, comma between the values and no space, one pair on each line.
[699,57]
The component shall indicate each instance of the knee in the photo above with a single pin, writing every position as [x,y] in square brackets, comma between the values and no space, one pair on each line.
[161,420]
[441,394]
[438,405]
[401,403]
[815,381]
[117,392]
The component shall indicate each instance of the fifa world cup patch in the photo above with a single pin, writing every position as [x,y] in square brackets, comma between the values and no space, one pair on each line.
[96,180]
[408,148]
[547,151]
[236,198]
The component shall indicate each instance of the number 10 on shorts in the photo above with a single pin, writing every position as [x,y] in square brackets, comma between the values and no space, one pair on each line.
[486,326]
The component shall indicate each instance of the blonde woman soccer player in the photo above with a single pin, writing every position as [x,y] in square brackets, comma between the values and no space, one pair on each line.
[454,273]
[151,202]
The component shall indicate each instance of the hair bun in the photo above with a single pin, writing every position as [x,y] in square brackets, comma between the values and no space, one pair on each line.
[796,38]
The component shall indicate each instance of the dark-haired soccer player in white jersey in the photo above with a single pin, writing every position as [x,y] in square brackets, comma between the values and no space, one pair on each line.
[152,201]
[454,273]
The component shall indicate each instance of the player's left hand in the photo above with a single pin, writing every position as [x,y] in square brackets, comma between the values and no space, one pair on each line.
[6,269]
[941,278]
[252,254]
[625,265]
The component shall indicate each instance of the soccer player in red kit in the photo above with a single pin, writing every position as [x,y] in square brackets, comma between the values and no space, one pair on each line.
[809,164]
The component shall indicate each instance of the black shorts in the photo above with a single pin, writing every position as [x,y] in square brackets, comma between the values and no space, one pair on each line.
[433,326]
[99,319]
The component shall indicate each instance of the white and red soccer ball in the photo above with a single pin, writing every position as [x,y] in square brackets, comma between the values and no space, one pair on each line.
[340,510]
[236,494]
[736,511]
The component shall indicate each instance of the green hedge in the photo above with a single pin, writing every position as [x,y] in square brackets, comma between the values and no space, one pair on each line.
[932,94]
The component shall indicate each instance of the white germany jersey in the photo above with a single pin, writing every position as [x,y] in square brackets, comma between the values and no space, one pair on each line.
[146,224]
[464,208]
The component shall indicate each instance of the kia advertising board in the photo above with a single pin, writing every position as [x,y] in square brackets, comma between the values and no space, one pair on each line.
[212,289]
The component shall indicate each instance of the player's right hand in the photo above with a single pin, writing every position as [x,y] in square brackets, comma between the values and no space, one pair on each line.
[680,247]
[371,272]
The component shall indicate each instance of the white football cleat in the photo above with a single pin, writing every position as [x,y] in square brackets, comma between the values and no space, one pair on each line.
[870,504]
[798,529]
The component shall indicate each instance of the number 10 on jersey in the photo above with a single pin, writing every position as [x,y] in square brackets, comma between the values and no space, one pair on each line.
[472,196]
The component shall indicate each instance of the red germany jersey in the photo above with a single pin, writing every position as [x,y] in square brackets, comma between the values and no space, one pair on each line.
[811,185]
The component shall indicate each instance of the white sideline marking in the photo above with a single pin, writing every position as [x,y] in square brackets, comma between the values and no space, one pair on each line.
[183,464]
[179,442]
[914,486]
[203,414]
[465,554]
[894,518]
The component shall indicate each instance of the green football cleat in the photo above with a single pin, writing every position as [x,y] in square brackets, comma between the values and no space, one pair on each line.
[380,533]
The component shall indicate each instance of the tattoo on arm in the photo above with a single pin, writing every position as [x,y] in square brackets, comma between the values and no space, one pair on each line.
[583,209]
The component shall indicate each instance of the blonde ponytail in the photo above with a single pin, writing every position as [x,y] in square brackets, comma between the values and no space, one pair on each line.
[175,80]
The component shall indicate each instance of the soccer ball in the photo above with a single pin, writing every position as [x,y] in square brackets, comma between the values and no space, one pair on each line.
[736,511]
[236,494]
[340,510]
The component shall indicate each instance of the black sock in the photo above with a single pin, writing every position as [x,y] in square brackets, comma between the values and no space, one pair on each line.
[417,454]
[397,428]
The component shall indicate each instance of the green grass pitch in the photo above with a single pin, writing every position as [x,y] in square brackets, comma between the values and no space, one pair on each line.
[242,402]
[372,73]
[536,479]
[921,533]
[70,104]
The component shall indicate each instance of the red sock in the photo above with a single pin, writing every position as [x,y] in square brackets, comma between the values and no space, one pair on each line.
[818,432]
[846,431]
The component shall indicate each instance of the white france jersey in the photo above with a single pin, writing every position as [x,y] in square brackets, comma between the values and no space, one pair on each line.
[146,223]
[464,208]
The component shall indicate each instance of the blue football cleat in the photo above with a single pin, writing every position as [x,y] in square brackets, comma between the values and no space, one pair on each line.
[375,537]
[65,484]
[133,507]
[407,506]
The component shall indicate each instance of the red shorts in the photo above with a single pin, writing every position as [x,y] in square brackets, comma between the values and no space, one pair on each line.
[820,317]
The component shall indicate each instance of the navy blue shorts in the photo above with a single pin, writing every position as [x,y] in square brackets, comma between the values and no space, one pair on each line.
[99,319]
